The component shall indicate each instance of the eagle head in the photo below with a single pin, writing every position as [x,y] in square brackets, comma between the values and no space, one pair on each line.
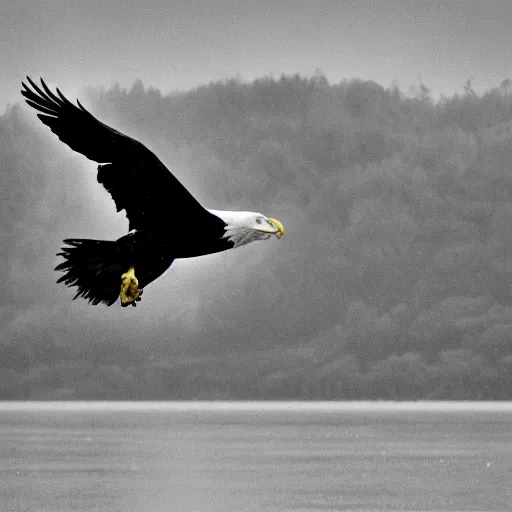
[244,227]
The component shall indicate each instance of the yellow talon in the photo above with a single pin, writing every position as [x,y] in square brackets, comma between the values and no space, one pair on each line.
[130,291]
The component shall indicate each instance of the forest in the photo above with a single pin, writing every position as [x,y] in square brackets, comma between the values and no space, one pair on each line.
[393,281]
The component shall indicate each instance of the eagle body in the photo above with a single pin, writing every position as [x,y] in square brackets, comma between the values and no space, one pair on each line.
[165,221]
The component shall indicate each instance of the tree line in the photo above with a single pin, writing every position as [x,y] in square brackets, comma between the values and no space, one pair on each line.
[393,280]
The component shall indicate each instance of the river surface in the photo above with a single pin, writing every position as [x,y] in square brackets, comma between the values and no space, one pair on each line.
[237,457]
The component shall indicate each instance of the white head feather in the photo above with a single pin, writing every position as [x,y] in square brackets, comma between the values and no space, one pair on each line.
[245,227]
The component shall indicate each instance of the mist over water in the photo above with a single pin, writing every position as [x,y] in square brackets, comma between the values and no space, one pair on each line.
[246,456]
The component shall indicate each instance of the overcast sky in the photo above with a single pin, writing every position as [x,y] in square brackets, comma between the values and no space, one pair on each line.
[184,43]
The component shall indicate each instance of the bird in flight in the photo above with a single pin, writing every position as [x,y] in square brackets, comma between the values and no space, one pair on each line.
[165,221]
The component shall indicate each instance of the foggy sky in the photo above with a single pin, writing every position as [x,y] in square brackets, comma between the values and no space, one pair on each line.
[184,43]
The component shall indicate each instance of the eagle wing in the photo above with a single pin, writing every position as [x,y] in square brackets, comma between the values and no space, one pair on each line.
[133,175]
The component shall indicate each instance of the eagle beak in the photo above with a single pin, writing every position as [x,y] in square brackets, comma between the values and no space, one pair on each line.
[280,229]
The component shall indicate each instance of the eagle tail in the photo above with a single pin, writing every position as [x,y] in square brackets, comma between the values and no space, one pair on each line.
[94,267]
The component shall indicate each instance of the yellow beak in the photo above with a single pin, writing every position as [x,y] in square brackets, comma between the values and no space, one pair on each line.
[278,225]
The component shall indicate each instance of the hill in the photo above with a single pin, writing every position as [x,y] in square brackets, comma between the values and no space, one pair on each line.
[393,280]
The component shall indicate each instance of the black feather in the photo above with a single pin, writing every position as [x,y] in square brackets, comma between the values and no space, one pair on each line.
[137,180]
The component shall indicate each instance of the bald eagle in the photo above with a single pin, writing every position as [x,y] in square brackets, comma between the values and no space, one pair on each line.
[155,202]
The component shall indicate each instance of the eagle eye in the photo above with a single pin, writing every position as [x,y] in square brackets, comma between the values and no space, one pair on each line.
[258,220]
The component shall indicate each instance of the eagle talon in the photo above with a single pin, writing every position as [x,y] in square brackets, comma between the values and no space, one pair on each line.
[129,291]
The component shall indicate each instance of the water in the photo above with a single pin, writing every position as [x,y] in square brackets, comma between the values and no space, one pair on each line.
[255,457]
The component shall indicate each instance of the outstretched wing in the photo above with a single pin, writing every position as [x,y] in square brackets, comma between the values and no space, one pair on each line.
[136,179]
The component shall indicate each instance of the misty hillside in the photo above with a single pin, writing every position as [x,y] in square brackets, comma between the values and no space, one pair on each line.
[394,278]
